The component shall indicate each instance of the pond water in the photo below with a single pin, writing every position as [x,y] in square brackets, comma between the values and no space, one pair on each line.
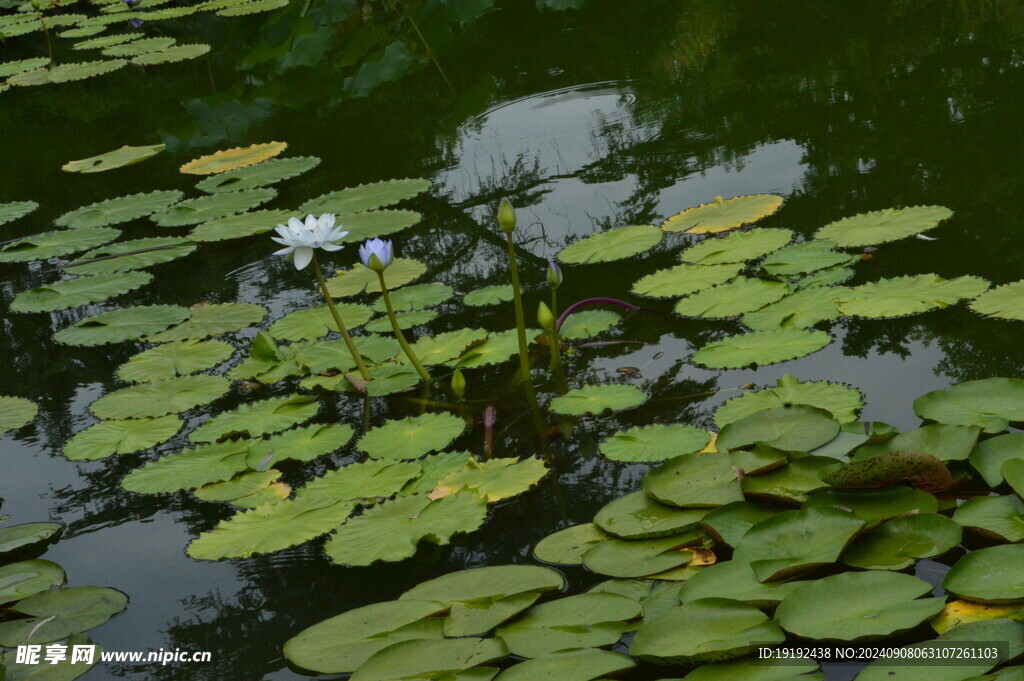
[615,113]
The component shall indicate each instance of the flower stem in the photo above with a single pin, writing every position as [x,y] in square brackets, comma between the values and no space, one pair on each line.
[398,331]
[556,342]
[337,320]
[524,356]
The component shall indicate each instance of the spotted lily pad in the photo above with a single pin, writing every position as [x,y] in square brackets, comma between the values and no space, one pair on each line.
[54,244]
[722,215]
[740,295]
[882,226]
[119,158]
[909,295]
[124,256]
[839,400]
[366,197]
[737,247]
[922,471]
[990,403]
[229,159]
[900,542]
[57,613]
[214,319]
[158,398]
[412,437]
[598,399]
[15,412]
[121,209]
[587,620]
[69,293]
[488,295]
[615,244]
[760,348]
[654,443]
[684,279]
[120,437]
[121,325]
[1001,302]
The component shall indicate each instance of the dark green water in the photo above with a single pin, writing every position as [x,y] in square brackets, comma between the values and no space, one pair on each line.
[617,113]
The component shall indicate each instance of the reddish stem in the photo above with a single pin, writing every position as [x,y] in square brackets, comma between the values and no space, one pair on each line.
[594,301]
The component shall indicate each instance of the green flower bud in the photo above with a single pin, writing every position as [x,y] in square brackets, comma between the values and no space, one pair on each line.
[554,274]
[545,318]
[506,216]
[458,384]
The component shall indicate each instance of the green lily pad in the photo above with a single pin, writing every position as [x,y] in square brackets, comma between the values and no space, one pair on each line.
[588,323]
[66,73]
[445,347]
[740,295]
[58,613]
[137,47]
[735,580]
[25,578]
[212,319]
[862,606]
[259,175]
[55,244]
[682,280]
[207,208]
[989,456]
[366,197]
[637,516]
[737,246]
[258,418]
[805,257]
[883,226]
[1001,302]
[430,658]
[170,396]
[69,293]
[839,400]
[121,209]
[1013,473]
[495,479]
[118,158]
[946,443]
[902,296]
[922,471]
[9,68]
[654,443]
[120,325]
[242,225]
[990,403]
[435,468]
[642,557]
[753,669]
[391,378]
[876,505]
[340,644]
[585,664]
[999,517]
[722,215]
[105,41]
[131,255]
[898,543]
[15,412]
[830,276]
[412,437]
[356,482]
[248,490]
[694,481]
[318,322]
[488,295]
[800,309]
[299,444]
[727,524]
[567,546]
[376,223]
[416,297]
[791,484]
[362,279]
[589,620]
[598,399]
[406,320]
[26,534]
[797,428]
[179,358]
[499,347]
[13,210]
[760,348]
[170,55]
[779,547]
[705,630]
[615,244]
[392,530]
[189,469]
[120,437]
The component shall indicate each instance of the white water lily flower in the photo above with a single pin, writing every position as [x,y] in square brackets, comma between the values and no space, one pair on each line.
[301,238]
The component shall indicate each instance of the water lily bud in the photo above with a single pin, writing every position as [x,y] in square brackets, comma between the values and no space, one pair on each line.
[554,274]
[545,318]
[377,254]
[36,5]
[506,216]
[458,384]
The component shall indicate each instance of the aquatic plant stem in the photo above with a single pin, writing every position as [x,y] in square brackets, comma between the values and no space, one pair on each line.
[524,355]
[337,320]
[553,339]
[398,331]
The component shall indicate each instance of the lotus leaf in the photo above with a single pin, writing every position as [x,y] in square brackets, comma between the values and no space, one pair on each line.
[727,524]
[54,244]
[366,197]
[882,226]
[722,215]
[1001,302]
[207,208]
[909,295]
[116,211]
[797,428]
[637,516]
[654,443]
[640,558]
[922,471]
[359,481]
[990,455]
[488,295]
[392,530]
[735,580]
[588,620]
[19,536]
[801,309]
[961,612]
[25,578]
[753,669]
[340,644]
[121,325]
[737,247]
[238,226]
[170,396]
[779,547]
[406,320]
[760,348]
[15,412]
[57,613]
[615,244]
[131,255]
[990,403]
[120,437]
[598,399]
[69,293]
[841,401]
[412,437]
[682,280]
[230,159]
[431,658]
[791,483]
[300,444]
[10,212]
[999,517]
[172,54]
[705,630]
[493,480]
[212,319]
[898,543]
[567,546]
[694,481]
[740,295]
[585,664]
[416,297]
[946,443]
[361,279]
[876,505]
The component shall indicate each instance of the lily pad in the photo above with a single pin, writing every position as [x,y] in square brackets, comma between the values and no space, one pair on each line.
[493,480]
[961,612]
[990,575]
[874,506]
[158,398]
[406,320]
[722,215]
[171,54]
[946,443]
[598,399]
[882,226]
[585,664]
[800,309]
[66,73]
[58,613]
[902,296]
[189,469]
[119,158]
[136,47]
[367,197]
[922,471]
[9,68]
[760,348]
[615,244]
[830,276]
[704,630]
[899,543]
[989,456]
[796,428]
[258,418]
[117,326]
[791,484]
[26,534]
[259,175]
[393,529]
[990,403]
[737,247]
[805,257]
[207,208]
[120,437]
[740,295]
[445,347]
[735,580]
[589,620]
[1001,302]
[654,443]
[55,244]
[753,669]
[640,558]
[998,517]
[213,319]
[682,280]
[318,322]
[837,399]
[727,524]
[588,323]
[416,297]
[14,210]
[69,293]
[136,254]
[376,223]
[229,159]
[694,481]
[300,444]
[488,295]
[412,437]
[174,359]
[15,412]
[426,658]
[499,347]
[121,209]
[238,226]
[105,41]
[637,516]
[360,481]
[25,578]
[362,279]
[862,606]
[567,546]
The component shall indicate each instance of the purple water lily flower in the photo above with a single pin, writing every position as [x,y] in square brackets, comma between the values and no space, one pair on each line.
[377,254]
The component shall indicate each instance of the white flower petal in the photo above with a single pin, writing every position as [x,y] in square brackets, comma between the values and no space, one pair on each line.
[294,224]
[303,256]
[332,247]
[285,251]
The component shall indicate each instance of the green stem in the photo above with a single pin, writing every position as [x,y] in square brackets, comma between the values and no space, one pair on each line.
[398,331]
[555,341]
[337,320]
[524,355]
